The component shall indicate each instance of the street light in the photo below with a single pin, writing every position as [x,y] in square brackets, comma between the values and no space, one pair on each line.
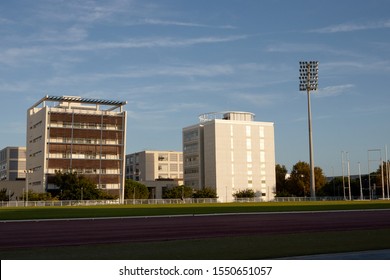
[308,80]
[28,171]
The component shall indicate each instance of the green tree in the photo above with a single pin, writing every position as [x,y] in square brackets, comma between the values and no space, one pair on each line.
[5,195]
[376,179]
[135,190]
[205,193]
[74,186]
[33,196]
[247,193]
[281,182]
[299,180]
[177,192]
[332,188]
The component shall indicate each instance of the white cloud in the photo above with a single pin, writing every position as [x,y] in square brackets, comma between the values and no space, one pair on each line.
[257,99]
[4,21]
[350,27]
[165,42]
[307,48]
[334,90]
[178,71]
[184,24]
[71,34]
[40,53]
[84,11]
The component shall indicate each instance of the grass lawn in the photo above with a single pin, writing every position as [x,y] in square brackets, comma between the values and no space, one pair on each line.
[22,213]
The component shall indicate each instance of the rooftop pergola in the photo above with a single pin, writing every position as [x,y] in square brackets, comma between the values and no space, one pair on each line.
[111,104]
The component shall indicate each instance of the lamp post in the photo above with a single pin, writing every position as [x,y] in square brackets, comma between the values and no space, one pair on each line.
[349,178]
[342,168]
[28,171]
[360,180]
[308,77]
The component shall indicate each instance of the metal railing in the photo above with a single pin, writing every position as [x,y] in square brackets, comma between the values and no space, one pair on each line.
[60,203]
[22,203]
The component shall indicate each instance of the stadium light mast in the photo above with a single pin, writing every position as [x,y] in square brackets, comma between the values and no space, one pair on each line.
[308,80]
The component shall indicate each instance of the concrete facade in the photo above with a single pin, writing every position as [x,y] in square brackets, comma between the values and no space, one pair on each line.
[12,164]
[156,170]
[229,152]
[70,133]
[153,165]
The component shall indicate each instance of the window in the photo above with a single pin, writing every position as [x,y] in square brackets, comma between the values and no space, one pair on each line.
[173,167]
[163,167]
[191,147]
[262,156]
[162,157]
[248,131]
[190,135]
[248,144]
[249,156]
[261,132]
[173,157]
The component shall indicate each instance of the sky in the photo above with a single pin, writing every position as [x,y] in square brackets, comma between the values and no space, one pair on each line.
[173,60]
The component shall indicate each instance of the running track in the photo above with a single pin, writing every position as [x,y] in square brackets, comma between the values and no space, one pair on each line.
[97,231]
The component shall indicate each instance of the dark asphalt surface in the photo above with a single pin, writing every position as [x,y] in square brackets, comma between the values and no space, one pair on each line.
[20,234]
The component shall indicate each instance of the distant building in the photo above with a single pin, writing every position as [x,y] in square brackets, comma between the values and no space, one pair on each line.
[12,171]
[229,152]
[152,165]
[71,133]
[12,163]
[155,169]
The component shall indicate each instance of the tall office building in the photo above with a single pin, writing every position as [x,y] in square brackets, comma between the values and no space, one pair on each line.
[71,133]
[229,152]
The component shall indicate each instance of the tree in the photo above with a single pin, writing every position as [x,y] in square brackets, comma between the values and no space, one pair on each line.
[6,195]
[376,179]
[247,193]
[74,186]
[135,190]
[177,192]
[281,182]
[205,193]
[299,180]
[33,196]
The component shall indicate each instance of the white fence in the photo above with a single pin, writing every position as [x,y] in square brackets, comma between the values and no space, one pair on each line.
[161,201]
[104,202]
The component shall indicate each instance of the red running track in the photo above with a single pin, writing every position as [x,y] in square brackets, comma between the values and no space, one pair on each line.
[97,231]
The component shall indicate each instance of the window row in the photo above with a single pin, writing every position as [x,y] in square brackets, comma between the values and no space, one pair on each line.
[83,156]
[87,171]
[92,141]
[86,125]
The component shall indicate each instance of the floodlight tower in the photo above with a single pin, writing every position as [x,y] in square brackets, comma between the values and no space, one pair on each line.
[308,76]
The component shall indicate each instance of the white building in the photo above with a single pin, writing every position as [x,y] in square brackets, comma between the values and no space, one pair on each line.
[229,152]
[155,169]
[12,171]
[13,164]
[153,165]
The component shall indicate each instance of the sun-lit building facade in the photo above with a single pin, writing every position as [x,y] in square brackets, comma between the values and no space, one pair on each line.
[229,152]
[83,135]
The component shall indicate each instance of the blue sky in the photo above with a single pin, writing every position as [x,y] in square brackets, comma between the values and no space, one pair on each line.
[173,60]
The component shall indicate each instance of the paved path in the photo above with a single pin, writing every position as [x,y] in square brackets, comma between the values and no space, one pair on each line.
[98,231]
